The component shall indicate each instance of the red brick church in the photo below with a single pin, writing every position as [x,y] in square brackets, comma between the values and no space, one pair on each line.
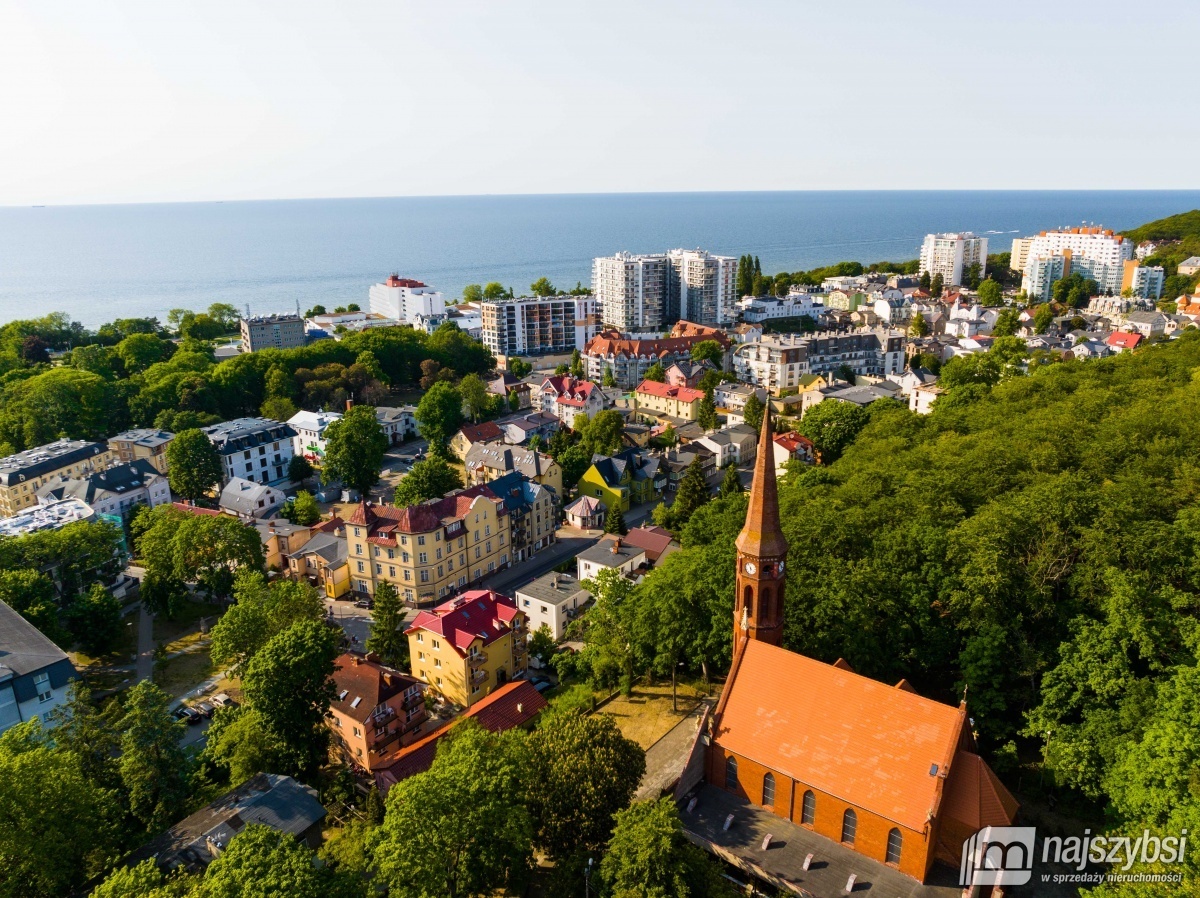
[878,769]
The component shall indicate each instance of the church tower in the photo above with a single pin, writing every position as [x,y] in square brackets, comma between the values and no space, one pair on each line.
[761,553]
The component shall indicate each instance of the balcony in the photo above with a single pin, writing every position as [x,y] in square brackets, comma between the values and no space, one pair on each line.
[413,701]
[478,675]
[477,659]
[520,647]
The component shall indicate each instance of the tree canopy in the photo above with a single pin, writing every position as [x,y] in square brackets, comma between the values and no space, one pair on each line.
[354,449]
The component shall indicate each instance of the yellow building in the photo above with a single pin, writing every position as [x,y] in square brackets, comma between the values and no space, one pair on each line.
[322,561]
[469,646]
[23,473]
[147,442]
[432,550]
[663,399]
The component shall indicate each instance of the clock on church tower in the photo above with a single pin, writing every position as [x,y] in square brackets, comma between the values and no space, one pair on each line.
[761,553]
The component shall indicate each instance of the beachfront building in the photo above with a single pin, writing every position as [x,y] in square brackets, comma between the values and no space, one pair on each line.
[272,332]
[539,325]
[631,290]
[404,299]
[1098,254]
[952,255]
[700,287]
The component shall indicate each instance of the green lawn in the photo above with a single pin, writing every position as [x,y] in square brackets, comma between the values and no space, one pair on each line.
[174,632]
[180,675]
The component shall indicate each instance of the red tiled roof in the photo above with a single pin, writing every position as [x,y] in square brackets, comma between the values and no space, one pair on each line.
[383,521]
[394,281]
[481,433]
[793,441]
[654,540]
[612,343]
[512,705]
[1124,340]
[476,614]
[867,743]
[666,391]
[194,509]
[974,794]
[361,685]
[684,328]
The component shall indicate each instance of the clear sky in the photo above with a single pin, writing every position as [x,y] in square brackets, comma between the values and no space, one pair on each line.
[119,101]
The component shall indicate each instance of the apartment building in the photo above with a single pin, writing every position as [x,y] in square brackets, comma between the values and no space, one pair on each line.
[114,491]
[795,305]
[700,287]
[567,397]
[780,363]
[404,300]
[539,325]
[629,357]
[272,332]
[23,474]
[469,646]
[1019,257]
[952,255]
[664,399]
[376,710]
[146,443]
[631,290]
[431,550]
[257,449]
[1096,253]
[47,516]
[1143,281]
[532,512]
[485,462]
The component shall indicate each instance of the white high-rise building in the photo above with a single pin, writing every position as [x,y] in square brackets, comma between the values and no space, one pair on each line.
[952,255]
[1095,253]
[631,290]
[404,299]
[700,287]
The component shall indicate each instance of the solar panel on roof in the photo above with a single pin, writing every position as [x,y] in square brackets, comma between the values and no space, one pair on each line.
[357,700]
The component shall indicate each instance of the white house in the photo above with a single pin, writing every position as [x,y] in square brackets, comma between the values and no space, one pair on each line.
[250,501]
[553,600]
[34,672]
[610,553]
[113,491]
[566,397]
[398,422]
[309,440]
[404,299]
[921,399]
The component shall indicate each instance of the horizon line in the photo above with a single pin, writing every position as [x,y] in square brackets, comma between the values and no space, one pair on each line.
[617,193]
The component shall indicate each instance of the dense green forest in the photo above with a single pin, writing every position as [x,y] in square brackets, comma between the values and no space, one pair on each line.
[1033,543]
[1178,238]
[130,373]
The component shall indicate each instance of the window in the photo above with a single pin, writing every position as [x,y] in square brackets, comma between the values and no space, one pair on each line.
[769,791]
[731,779]
[437,662]
[379,569]
[424,576]
[360,567]
[391,553]
[895,843]
[391,571]
[420,540]
[41,682]
[808,810]
[849,826]
[423,557]
[377,551]
[420,637]
[439,555]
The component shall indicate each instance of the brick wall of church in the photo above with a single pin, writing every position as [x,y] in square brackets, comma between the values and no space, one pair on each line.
[871,836]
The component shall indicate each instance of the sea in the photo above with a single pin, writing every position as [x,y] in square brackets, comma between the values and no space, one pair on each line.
[98,263]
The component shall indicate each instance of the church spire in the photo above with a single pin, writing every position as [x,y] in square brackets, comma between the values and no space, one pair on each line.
[761,535]
[761,553]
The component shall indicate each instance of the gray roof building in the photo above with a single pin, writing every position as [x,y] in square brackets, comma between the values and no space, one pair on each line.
[250,500]
[100,489]
[46,459]
[34,672]
[246,433]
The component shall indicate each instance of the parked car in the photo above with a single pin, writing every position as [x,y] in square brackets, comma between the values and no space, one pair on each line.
[364,603]
[189,715]
[222,700]
[543,686]
[206,709]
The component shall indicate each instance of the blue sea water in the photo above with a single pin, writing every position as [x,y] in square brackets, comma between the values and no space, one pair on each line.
[98,263]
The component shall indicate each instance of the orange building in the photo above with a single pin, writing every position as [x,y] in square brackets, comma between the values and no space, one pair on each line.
[375,711]
[877,769]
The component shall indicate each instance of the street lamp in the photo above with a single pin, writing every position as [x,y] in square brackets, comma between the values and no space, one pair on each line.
[587,877]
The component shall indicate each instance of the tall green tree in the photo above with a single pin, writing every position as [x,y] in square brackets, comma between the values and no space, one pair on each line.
[354,449]
[650,857]
[193,465]
[439,416]
[937,285]
[262,862]
[461,829]
[304,511]
[602,433]
[430,478]
[656,372]
[519,368]
[832,426]
[918,327]
[91,733]
[61,828]
[475,396]
[731,483]
[299,469]
[139,351]
[154,768]
[32,595]
[693,492]
[1007,323]
[708,351]
[261,611]
[706,414]
[990,293]
[94,618]
[583,772]
[543,287]
[387,639]
[614,521]
[753,412]
[289,683]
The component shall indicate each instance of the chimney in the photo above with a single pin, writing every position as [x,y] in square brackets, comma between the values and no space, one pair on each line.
[554,581]
[616,546]
[349,404]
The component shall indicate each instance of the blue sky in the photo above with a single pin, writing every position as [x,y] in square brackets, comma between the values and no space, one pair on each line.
[233,99]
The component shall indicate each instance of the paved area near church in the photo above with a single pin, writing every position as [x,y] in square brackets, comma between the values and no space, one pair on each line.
[666,758]
[782,864]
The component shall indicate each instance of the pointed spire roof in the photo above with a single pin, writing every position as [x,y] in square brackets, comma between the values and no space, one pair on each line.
[761,535]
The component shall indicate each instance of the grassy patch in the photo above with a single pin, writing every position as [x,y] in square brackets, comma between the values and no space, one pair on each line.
[181,675]
[646,716]
[185,623]
[104,680]
[122,653]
